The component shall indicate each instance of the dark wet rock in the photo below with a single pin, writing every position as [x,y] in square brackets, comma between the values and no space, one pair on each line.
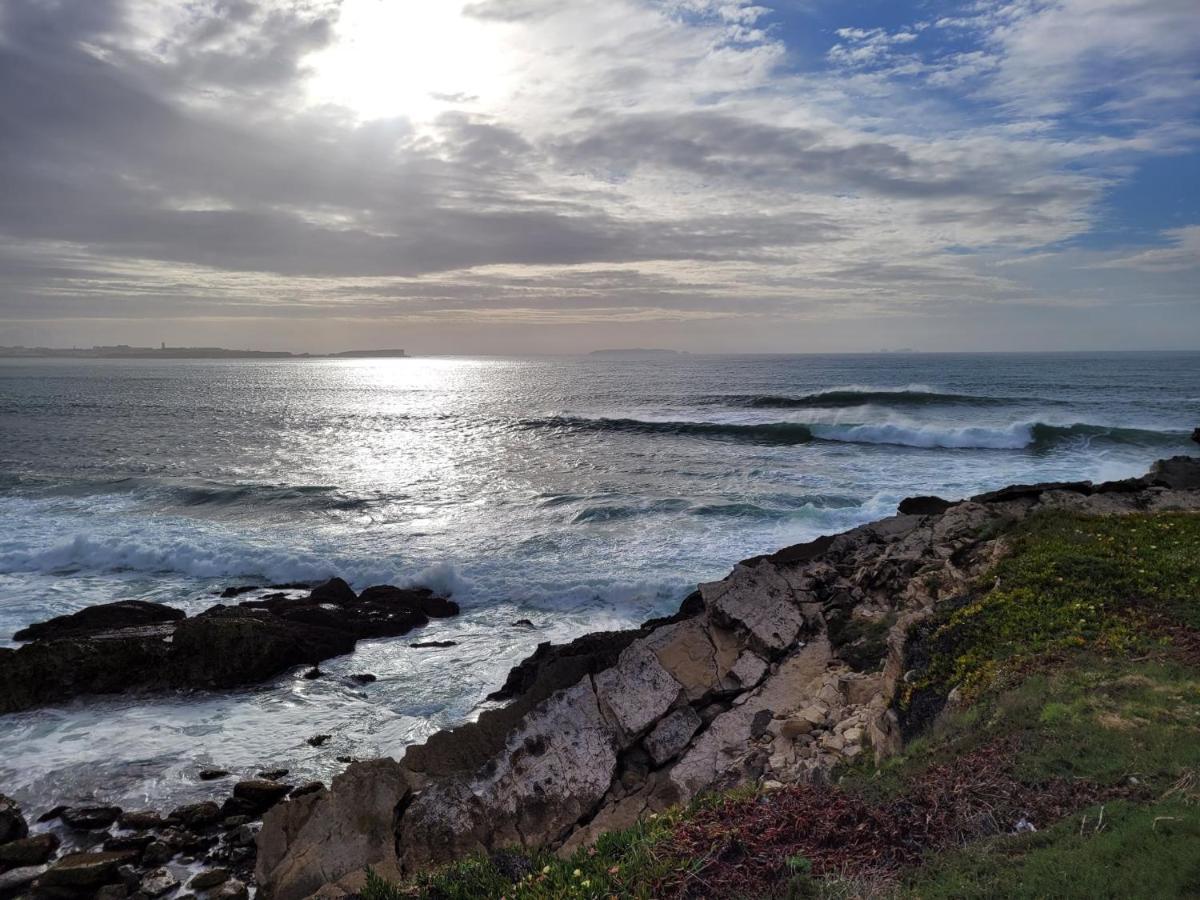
[310,788]
[234,806]
[12,823]
[138,842]
[99,651]
[198,815]
[184,841]
[560,665]
[335,590]
[523,623]
[230,592]
[385,611]
[433,644]
[129,876]
[208,879]
[923,506]
[231,822]
[261,793]
[314,673]
[157,853]
[112,892]
[158,882]
[1032,491]
[53,813]
[15,881]
[29,851]
[1180,473]
[243,835]
[212,774]
[1196,435]
[364,678]
[272,774]
[52,671]
[86,870]
[318,740]
[231,647]
[102,617]
[344,759]
[90,818]
[140,820]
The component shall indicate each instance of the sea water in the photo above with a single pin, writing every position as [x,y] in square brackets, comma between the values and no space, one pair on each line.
[581,493]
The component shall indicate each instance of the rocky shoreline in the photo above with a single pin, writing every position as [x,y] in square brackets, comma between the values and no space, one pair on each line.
[133,645]
[207,847]
[777,674]
[787,668]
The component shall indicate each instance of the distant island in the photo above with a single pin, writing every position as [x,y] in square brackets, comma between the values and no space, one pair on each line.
[636,353]
[124,351]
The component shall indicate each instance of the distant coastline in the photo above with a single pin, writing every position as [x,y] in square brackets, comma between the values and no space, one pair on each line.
[124,351]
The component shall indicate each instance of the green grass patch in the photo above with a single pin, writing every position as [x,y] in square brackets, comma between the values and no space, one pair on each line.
[1147,851]
[1070,582]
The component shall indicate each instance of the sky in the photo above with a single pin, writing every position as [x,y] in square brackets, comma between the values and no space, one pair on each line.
[516,176]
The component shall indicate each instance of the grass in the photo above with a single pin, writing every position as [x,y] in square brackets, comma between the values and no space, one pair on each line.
[1146,851]
[1079,682]
[1071,582]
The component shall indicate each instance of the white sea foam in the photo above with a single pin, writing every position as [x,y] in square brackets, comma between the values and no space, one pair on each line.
[209,559]
[1014,437]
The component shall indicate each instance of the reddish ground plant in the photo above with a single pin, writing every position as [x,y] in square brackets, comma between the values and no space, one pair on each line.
[742,846]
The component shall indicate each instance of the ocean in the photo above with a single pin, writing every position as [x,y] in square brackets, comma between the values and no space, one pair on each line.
[581,493]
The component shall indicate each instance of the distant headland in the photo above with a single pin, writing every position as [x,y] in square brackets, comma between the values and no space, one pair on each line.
[124,351]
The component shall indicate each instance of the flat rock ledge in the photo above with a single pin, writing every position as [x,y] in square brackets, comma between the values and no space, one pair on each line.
[137,645]
[777,673]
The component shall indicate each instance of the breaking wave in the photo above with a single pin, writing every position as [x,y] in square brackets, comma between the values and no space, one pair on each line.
[844,398]
[1017,436]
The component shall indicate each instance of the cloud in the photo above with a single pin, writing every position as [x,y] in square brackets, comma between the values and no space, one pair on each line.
[627,159]
[1181,254]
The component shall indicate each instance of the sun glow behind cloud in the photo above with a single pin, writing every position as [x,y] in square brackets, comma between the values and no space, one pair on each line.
[409,58]
[781,170]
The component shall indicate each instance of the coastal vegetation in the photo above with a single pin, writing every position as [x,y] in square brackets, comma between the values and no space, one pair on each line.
[1053,713]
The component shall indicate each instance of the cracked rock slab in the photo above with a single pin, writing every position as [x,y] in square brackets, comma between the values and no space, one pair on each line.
[759,599]
[555,769]
[635,692]
[671,734]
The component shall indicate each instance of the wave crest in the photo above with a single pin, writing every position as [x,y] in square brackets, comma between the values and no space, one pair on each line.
[1017,436]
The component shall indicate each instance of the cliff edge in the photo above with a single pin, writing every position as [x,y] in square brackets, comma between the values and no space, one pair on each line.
[794,665]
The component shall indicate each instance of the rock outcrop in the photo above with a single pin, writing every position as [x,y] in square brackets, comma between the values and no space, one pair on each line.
[130,645]
[778,672]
